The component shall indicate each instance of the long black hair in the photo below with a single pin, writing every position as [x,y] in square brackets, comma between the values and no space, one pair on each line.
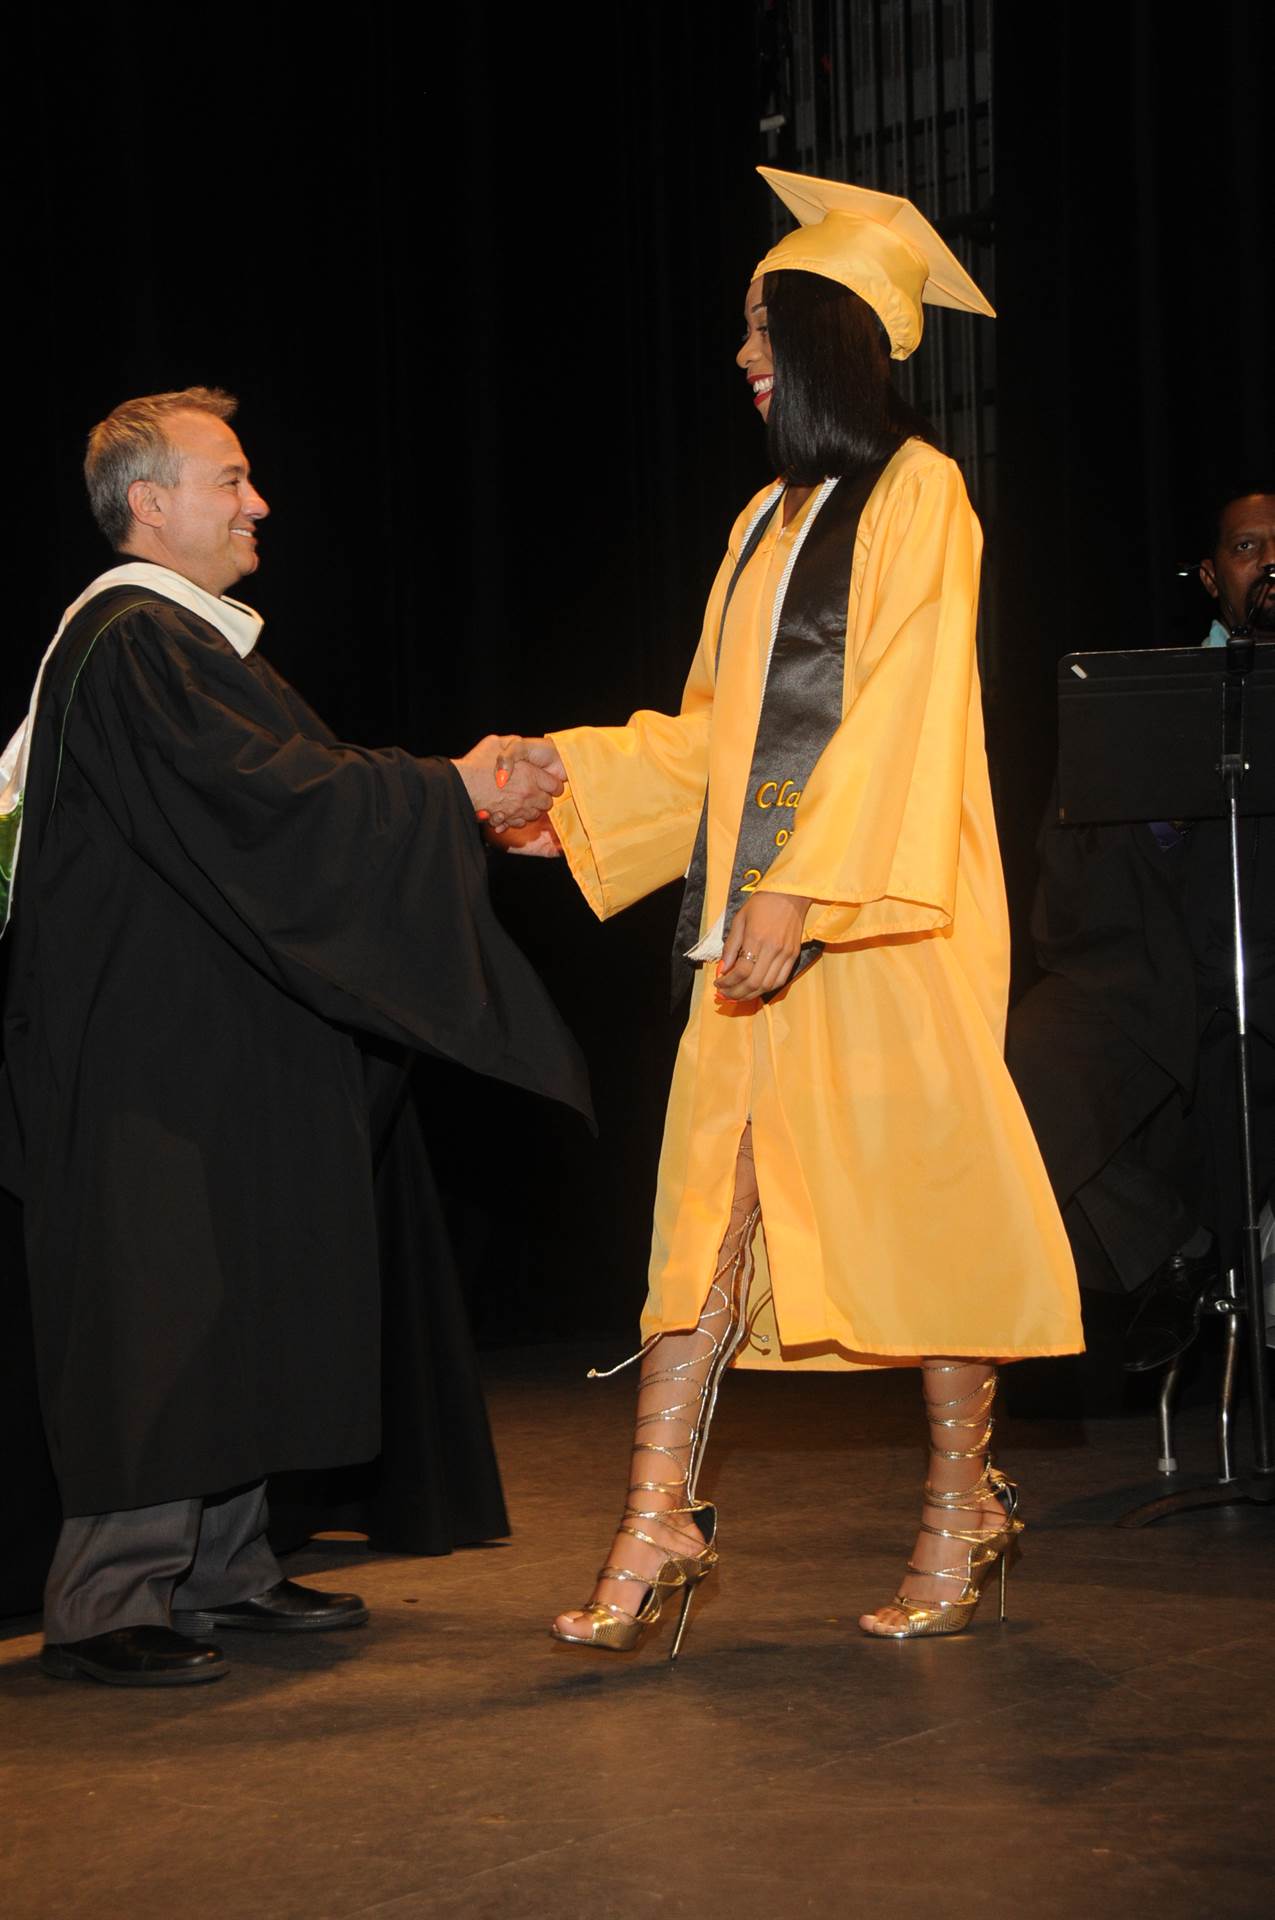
[834,409]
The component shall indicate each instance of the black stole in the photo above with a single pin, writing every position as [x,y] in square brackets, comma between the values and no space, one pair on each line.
[800,708]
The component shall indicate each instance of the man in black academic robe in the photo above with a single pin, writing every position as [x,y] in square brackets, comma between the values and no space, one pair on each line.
[212,898]
[1124,1053]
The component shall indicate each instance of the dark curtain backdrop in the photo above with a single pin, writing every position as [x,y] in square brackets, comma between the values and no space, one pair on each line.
[477,282]
[1134,341]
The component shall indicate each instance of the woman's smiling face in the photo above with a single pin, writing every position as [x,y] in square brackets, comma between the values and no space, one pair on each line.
[754,356]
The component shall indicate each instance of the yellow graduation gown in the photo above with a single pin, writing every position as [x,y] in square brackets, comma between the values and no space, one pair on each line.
[905,1209]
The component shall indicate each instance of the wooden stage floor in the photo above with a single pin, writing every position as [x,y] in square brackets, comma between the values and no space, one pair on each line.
[1108,1751]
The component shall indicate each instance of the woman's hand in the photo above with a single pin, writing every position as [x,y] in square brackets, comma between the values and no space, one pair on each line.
[539,840]
[762,945]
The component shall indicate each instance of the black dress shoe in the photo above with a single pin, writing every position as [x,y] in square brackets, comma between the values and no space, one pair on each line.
[287,1607]
[1168,1316]
[135,1657]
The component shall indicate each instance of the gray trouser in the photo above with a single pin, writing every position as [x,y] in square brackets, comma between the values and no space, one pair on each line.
[133,1569]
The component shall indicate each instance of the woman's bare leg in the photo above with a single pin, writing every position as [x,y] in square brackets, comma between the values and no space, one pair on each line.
[676,1391]
[958,1405]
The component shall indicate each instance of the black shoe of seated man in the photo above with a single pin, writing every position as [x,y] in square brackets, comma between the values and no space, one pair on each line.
[135,1657]
[1168,1317]
[287,1607]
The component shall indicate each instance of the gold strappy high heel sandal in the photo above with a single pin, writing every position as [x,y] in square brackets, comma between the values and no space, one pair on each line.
[983,1549]
[611,1627]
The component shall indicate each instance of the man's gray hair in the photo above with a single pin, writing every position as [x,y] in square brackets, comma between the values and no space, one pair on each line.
[130,444]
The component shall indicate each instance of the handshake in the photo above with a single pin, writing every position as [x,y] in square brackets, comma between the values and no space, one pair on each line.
[511,783]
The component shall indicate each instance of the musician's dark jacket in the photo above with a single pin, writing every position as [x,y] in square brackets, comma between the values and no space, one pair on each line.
[1123,1053]
[1146,930]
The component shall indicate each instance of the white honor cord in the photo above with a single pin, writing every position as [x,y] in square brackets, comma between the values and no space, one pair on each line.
[711,945]
[763,506]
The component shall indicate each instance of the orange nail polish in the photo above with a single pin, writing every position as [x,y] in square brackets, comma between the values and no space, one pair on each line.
[502,776]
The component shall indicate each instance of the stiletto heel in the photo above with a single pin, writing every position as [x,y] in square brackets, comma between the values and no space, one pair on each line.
[684,1614]
[607,1626]
[984,1548]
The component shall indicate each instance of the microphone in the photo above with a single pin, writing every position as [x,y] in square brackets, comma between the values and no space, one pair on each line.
[1242,629]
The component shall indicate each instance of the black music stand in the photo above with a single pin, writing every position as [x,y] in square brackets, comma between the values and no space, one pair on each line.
[1185,733]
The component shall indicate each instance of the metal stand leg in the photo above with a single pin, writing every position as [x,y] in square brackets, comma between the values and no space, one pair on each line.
[1247,1302]
[1229,1489]
[1228,1303]
[1167,1463]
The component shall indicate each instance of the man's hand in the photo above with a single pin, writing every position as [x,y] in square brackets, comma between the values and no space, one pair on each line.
[511,781]
[516,752]
[762,945]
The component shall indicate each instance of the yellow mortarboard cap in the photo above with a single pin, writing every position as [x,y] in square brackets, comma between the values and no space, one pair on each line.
[878,245]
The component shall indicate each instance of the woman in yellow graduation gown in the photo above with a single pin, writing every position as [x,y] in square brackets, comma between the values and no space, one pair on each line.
[841,1075]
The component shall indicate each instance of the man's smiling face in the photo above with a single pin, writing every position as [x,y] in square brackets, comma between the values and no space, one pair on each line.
[205,527]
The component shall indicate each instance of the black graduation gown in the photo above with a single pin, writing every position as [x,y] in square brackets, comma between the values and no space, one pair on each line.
[212,894]
[435,1484]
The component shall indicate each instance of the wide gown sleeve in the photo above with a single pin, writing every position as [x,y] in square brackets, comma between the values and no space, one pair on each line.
[878,830]
[355,879]
[635,793]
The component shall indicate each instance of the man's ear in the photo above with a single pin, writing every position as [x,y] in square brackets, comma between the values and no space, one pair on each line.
[1208,578]
[144,505]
